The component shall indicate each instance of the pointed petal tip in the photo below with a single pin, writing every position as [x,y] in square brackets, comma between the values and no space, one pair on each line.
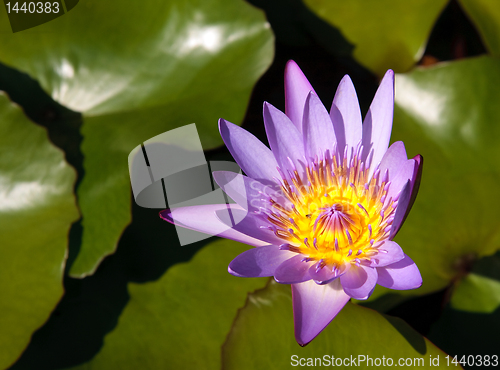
[166,215]
[267,108]
[419,159]
[311,98]
[346,84]
[231,271]
[223,126]
[346,80]
[301,342]
[297,86]
[292,70]
[304,339]
[224,123]
[417,175]
[291,64]
[234,273]
[220,125]
[400,144]
[293,73]
[388,80]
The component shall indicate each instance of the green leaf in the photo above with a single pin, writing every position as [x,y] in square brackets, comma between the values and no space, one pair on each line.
[262,336]
[37,208]
[448,114]
[386,34]
[138,71]
[485,14]
[479,291]
[181,320]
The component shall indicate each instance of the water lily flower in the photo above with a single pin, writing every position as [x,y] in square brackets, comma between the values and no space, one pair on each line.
[322,206]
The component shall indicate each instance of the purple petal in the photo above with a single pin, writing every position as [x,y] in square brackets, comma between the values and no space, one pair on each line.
[317,128]
[314,307]
[398,182]
[284,138]
[393,160]
[377,125]
[389,253]
[258,262]
[406,200]
[247,192]
[359,281]
[349,127]
[324,275]
[401,275]
[400,215]
[235,185]
[415,182]
[297,87]
[203,219]
[253,157]
[293,271]
[249,224]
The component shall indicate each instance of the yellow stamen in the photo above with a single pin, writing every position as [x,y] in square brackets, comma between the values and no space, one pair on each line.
[335,217]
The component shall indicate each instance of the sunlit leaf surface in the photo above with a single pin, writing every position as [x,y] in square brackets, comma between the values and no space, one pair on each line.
[386,34]
[37,208]
[134,72]
[479,291]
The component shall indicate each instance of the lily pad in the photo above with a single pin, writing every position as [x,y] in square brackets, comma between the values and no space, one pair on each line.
[37,208]
[479,291]
[137,71]
[485,14]
[181,320]
[386,34]
[448,114]
[262,338]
